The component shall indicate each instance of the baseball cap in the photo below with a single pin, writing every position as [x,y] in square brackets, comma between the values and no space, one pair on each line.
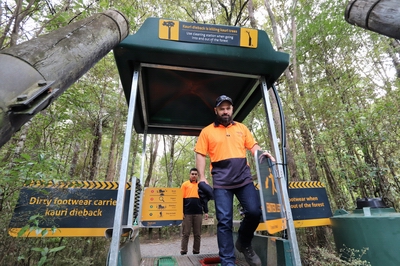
[221,99]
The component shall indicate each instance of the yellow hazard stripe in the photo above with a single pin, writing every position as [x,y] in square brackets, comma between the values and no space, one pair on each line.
[274,226]
[306,184]
[63,232]
[312,222]
[105,185]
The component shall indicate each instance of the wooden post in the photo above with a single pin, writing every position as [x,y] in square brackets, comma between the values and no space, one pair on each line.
[381,16]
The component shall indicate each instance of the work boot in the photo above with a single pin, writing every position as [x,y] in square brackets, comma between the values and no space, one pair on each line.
[249,254]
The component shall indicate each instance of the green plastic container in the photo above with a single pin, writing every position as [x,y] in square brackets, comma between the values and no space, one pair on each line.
[165,261]
[373,230]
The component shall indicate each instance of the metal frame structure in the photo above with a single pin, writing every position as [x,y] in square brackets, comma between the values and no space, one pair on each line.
[137,85]
[280,175]
[117,229]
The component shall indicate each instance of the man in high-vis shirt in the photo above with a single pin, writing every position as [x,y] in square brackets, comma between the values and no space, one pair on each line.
[193,208]
[226,141]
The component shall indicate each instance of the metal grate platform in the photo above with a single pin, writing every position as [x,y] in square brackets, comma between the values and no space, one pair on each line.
[187,260]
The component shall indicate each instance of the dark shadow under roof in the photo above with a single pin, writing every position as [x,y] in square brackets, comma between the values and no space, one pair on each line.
[180,79]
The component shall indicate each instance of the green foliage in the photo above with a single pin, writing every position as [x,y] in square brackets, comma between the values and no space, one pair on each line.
[30,167]
[44,252]
[324,257]
[33,226]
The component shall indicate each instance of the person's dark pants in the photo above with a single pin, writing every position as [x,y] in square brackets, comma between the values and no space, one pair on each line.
[191,221]
[249,199]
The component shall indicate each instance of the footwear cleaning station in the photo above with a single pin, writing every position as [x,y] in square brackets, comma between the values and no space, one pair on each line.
[171,73]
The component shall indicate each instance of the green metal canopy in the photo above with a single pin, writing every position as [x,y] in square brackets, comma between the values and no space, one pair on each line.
[183,67]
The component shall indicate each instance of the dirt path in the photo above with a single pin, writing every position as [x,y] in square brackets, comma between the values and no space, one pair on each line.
[172,246]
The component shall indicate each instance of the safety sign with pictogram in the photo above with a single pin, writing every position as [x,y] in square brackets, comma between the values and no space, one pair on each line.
[162,206]
[273,219]
[66,209]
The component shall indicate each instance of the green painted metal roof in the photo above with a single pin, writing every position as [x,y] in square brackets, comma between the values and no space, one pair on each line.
[180,79]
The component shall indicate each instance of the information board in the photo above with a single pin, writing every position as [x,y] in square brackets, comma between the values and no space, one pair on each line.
[162,207]
[74,209]
[175,30]
[309,204]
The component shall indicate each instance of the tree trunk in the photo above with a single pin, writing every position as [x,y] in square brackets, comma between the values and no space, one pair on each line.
[75,158]
[394,52]
[112,155]
[113,152]
[250,9]
[333,186]
[96,149]
[289,155]
[134,152]
[315,236]
[381,16]
[153,154]
[86,161]
[169,164]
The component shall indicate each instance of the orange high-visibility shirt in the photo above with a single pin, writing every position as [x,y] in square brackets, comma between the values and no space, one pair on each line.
[191,199]
[227,147]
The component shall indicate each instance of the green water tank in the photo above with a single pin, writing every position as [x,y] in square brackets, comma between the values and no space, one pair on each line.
[370,228]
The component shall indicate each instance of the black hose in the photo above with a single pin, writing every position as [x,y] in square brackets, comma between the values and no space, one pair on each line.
[283,146]
[283,134]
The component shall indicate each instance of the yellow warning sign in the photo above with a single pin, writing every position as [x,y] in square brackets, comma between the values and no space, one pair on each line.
[168,29]
[162,204]
[174,30]
[248,37]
